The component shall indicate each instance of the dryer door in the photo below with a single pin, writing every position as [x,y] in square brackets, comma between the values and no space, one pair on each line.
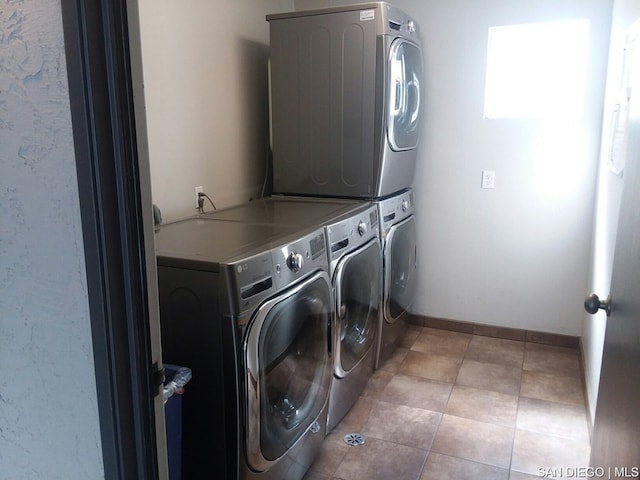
[358,290]
[400,265]
[405,78]
[288,369]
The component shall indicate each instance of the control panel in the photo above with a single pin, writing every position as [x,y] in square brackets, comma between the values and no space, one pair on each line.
[299,258]
[347,234]
[395,209]
[259,277]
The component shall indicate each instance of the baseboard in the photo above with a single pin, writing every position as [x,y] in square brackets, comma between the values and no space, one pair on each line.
[507,333]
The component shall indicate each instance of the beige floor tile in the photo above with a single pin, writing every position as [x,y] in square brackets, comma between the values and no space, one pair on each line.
[480,442]
[549,359]
[442,342]
[552,387]
[331,455]
[435,367]
[534,454]
[357,416]
[417,392]
[444,467]
[489,376]
[496,350]
[412,332]
[312,475]
[479,405]
[413,427]
[377,383]
[551,418]
[392,364]
[483,405]
[380,460]
[513,475]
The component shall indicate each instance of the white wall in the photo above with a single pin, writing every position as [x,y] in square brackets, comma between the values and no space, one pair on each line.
[49,427]
[609,190]
[518,255]
[205,75]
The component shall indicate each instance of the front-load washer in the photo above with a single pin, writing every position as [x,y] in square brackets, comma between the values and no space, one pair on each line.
[248,308]
[399,258]
[346,100]
[355,265]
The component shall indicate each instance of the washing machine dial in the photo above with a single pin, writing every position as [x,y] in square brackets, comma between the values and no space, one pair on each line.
[362,228]
[411,26]
[405,205]
[295,261]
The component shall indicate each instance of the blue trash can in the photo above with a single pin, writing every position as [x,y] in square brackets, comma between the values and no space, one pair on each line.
[175,380]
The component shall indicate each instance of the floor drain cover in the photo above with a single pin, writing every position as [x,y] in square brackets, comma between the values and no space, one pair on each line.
[353,439]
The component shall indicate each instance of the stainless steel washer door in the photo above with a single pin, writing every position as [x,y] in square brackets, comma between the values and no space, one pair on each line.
[358,290]
[288,369]
[400,265]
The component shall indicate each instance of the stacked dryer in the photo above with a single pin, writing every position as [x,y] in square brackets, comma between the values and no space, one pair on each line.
[345,88]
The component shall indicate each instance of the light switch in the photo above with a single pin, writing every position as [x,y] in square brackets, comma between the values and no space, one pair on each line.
[488,179]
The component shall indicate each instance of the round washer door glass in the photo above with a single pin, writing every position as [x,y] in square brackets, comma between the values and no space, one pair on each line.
[293,369]
[358,280]
[405,75]
[400,269]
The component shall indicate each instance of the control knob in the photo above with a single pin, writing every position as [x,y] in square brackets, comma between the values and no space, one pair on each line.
[362,228]
[405,205]
[295,261]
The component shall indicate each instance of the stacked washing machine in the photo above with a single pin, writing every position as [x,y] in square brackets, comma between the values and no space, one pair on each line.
[283,307]
[345,89]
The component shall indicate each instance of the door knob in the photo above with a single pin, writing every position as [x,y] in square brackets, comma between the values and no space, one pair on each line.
[592,303]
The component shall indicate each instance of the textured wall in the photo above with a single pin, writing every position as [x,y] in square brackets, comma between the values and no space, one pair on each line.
[48,410]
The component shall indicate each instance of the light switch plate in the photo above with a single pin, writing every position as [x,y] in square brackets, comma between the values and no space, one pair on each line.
[488,179]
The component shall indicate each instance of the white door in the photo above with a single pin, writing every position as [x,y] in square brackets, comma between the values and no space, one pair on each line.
[616,435]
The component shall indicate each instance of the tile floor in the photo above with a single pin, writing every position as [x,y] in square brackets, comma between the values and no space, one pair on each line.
[458,406]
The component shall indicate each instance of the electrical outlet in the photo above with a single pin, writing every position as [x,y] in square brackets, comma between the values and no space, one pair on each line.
[488,179]
[198,190]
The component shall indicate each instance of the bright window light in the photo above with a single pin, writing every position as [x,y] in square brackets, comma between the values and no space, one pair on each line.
[536,70]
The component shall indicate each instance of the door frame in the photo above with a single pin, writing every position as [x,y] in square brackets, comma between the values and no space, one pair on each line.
[103,120]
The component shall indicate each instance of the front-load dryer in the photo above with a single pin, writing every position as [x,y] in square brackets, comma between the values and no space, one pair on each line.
[346,100]
[398,236]
[355,266]
[248,307]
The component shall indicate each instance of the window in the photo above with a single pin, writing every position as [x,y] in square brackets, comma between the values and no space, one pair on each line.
[536,70]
